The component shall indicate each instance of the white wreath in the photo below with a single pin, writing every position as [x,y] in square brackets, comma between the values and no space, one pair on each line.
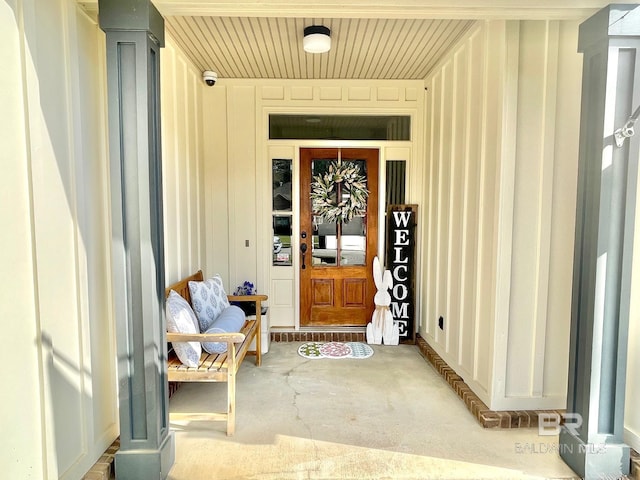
[346,180]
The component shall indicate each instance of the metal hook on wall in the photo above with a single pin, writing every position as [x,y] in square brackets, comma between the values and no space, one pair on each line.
[627,130]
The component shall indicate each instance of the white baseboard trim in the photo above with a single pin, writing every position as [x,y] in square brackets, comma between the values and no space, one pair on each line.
[632,439]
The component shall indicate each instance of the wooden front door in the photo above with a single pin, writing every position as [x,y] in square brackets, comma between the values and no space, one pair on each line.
[336,258]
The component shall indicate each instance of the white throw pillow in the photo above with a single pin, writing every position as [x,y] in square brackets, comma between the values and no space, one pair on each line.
[181,319]
[209,300]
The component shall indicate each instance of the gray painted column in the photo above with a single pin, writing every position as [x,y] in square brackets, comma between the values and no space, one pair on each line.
[135,33]
[591,442]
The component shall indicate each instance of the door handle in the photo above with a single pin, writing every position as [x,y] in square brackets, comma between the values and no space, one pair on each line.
[303,249]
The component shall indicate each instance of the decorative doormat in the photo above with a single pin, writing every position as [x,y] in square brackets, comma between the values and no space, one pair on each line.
[360,350]
[335,350]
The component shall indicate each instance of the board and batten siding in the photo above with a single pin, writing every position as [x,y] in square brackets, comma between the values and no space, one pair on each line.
[183,165]
[500,193]
[59,407]
[238,168]
[55,134]
[632,412]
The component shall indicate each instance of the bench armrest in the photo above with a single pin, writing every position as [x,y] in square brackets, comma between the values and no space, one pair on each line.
[206,337]
[247,298]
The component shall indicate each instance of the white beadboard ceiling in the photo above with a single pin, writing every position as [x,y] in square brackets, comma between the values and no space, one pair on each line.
[371,39]
[361,48]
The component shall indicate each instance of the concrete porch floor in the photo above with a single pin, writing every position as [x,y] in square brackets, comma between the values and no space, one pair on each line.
[391,416]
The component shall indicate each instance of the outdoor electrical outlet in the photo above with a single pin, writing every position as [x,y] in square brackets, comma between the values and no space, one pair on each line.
[441,323]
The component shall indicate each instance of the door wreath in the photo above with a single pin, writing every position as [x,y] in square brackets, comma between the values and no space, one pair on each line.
[340,194]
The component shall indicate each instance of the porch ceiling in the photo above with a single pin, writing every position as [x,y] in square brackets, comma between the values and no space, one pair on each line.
[371,39]
[271,47]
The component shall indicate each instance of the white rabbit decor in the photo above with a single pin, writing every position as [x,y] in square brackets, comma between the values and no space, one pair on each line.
[382,327]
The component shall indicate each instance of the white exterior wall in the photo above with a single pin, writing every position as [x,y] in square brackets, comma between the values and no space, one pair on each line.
[548,125]
[632,403]
[55,202]
[238,169]
[503,124]
[183,165]
[59,409]
[460,211]
[22,448]
[57,257]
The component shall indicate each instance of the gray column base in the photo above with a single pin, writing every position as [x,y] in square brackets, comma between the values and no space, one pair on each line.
[144,463]
[594,460]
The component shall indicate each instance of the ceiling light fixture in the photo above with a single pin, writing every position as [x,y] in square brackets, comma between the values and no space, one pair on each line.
[317,39]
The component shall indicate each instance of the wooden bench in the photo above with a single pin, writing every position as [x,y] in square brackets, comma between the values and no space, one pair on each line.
[220,367]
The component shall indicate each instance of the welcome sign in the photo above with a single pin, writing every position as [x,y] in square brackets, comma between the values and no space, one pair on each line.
[400,260]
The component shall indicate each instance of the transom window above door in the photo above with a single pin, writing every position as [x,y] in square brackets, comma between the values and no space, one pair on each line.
[339,127]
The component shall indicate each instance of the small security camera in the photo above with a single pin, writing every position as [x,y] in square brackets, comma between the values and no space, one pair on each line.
[209,77]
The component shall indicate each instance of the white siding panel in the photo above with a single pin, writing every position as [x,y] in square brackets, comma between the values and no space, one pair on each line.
[487,205]
[632,398]
[438,95]
[95,233]
[430,182]
[471,192]
[528,220]
[460,201]
[241,115]
[56,91]
[22,447]
[544,209]
[443,199]
[563,212]
[497,244]
[183,165]
[216,179]
[456,193]
[170,162]
[196,155]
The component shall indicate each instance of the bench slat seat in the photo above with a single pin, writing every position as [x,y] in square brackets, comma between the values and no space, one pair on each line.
[212,367]
[221,367]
